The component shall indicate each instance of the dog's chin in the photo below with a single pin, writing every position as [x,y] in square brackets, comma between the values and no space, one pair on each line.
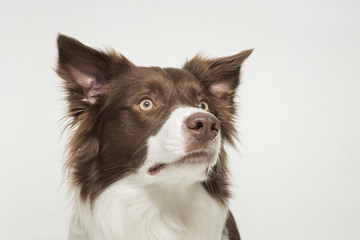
[190,167]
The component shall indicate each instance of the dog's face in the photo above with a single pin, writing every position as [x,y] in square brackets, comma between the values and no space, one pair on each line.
[164,126]
[161,122]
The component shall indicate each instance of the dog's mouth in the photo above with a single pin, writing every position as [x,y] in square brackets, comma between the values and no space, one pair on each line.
[192,158]
[156,168]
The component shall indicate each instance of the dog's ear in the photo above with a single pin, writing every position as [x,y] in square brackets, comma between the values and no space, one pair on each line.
[219,76]
[86,71]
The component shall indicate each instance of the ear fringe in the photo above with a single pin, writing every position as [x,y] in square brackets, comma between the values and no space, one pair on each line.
[201,66]
[86,72]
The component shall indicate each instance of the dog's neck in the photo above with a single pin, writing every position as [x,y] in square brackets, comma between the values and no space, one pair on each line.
[135,210]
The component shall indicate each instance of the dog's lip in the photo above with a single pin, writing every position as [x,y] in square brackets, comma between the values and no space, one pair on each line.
[156,168]
[191,158]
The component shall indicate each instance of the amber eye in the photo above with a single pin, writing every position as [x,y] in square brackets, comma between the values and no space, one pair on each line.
[146,105]
[203,105]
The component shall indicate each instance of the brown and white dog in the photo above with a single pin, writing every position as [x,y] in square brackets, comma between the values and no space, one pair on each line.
[146,157]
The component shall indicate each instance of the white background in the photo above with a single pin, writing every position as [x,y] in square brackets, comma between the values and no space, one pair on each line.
[297,171]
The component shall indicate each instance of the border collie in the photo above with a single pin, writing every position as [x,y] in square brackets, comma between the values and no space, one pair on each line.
[146,157]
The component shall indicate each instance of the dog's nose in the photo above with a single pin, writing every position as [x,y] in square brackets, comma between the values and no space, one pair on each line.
[203,126]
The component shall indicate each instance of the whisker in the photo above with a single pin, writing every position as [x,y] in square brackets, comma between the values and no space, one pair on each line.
[145,145]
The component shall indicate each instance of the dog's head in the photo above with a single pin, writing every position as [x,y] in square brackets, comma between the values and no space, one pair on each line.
[162,125]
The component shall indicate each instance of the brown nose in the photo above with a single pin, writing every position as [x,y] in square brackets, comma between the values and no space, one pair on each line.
[203,126]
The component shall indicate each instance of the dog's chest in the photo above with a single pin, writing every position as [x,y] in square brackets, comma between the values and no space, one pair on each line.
[128,212]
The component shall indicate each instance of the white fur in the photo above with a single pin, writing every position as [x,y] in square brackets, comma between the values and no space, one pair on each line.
[129,211]
[170,205]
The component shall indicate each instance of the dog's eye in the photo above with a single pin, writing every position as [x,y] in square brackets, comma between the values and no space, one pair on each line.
[204,106]
[146,105]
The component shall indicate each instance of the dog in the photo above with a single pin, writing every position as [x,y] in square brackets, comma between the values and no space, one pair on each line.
[146,156]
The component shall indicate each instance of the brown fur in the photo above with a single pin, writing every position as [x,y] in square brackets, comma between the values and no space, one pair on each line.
[110,132]
[232,231]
